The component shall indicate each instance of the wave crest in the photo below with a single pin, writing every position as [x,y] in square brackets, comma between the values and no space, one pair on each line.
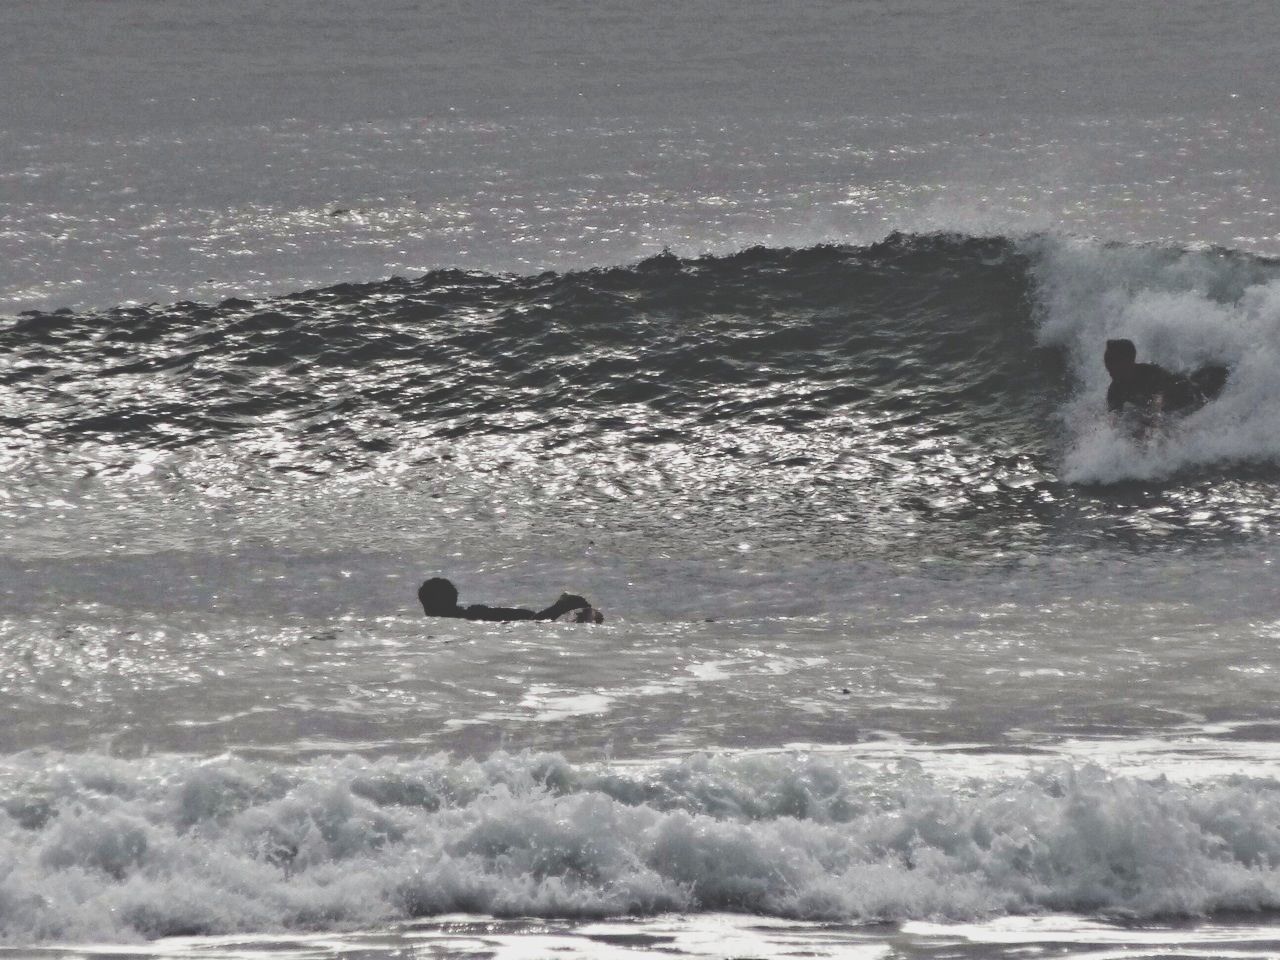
[940,388]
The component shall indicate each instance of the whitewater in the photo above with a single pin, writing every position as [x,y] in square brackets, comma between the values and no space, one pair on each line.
[776,331]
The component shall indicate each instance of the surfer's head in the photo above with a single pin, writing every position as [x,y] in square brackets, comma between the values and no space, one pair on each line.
[1120,358]
[439,597]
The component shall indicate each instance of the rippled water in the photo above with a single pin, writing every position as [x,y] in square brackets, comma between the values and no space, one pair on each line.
[774,331]
[917,392]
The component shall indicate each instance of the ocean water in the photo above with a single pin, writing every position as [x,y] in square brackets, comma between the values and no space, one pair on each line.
[775,330]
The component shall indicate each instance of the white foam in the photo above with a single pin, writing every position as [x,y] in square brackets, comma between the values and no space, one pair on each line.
[95,848]
[1183,310]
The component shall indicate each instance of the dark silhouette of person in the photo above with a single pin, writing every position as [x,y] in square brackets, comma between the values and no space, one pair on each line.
[439,598]
[1152,389]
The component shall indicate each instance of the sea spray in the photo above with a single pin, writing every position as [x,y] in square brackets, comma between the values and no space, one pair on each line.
[1184,309]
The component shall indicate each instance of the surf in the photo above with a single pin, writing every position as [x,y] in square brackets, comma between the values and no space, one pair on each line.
[99,848]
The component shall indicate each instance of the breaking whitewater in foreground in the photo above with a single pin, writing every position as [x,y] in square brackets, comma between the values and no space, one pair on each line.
[98,849]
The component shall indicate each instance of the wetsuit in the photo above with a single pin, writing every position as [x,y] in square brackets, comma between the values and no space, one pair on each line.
[478,611]
[1152,388]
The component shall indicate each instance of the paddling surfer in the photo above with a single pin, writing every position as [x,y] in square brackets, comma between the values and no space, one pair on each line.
[439,598]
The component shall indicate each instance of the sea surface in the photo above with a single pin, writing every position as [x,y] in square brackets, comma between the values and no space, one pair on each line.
[774,329]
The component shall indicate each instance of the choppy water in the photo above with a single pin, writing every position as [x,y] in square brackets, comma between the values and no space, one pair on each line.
[910,650]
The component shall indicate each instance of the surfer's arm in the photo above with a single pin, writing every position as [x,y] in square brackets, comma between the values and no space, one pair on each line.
[1115,398]
[567,602]
[478,611]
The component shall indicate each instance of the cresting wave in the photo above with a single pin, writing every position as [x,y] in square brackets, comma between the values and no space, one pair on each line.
[920,379]
[100,848]
[946,328]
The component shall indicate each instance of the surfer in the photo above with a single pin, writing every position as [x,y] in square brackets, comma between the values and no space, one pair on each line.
[439,598]
[1152,389]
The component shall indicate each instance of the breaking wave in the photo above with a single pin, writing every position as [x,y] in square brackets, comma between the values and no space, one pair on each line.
[100,848]
[920,379]
[1184,309]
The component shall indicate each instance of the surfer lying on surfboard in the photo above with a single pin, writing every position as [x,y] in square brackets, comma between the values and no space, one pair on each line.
[439,598]
[1151,389]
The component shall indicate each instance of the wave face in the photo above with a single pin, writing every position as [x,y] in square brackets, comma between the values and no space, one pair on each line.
[96,848]
[931,326]
[943,389]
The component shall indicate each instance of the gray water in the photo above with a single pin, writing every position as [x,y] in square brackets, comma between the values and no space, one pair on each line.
[909,651]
